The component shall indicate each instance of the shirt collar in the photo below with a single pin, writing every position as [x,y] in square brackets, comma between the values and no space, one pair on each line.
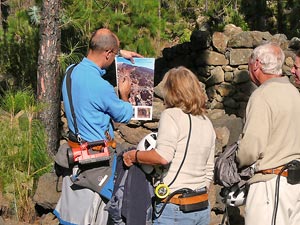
[89,62]
[282,79]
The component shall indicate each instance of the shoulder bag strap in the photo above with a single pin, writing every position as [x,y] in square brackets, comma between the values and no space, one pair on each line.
[186,148]
[69,90]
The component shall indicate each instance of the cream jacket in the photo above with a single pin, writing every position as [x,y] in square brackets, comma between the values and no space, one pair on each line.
[197,169]
[272,128]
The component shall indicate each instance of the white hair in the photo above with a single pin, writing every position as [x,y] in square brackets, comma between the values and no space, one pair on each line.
[271,57]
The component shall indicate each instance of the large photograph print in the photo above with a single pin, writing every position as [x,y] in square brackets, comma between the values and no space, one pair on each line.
[141,74]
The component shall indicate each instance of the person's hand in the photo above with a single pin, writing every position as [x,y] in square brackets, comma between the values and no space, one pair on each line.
[129,158]
[129,55]
[124,87]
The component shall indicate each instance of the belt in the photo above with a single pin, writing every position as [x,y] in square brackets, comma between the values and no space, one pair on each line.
[73,144]
[188,200]
[111,143]
[275,171]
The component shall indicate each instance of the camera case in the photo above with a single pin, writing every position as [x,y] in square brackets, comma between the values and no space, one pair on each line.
[193,207]
[294,172]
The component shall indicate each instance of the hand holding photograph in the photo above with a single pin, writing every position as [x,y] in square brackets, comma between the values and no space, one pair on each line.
[141,74]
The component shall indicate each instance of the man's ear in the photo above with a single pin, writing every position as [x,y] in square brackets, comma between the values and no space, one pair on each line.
[107,54]
[256,65]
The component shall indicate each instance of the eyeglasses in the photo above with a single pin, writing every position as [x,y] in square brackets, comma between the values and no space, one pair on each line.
[296,67]
[117,53]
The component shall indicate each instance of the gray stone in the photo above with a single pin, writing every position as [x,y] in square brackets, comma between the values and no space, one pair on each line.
[200,39]
[215,58]
[158,107]
[218,73]
[216,105]
[222,136]
[227,68]
[217,76]
[211,93]
[219,98]
[248,39]
[294,43]
[281,39]
[49,219]
[225,89]
[203,72]
[2,221]
[228,76]
[133,135]
[286,70]
[48,191]
[158,90]
[240,97]
[241,40]
[241,76]
[231,29]
[230,103]
[151,125]
[233,123]
[259,37]
[216,114]
[243,67]
[289,61]
[219,41]
[239,56]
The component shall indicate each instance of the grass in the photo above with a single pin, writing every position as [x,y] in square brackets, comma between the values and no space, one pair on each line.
[23,155]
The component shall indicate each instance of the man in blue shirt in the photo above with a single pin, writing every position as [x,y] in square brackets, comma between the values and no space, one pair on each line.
[95,104]
[95,100]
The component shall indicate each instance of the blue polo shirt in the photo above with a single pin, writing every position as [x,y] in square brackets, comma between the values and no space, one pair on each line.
[95,102]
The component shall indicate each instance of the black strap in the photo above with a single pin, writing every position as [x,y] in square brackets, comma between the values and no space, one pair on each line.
[69,90]
[182,190]
[186,148]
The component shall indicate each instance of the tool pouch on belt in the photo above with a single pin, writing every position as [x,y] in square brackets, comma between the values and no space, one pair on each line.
[193,201]
[97,176]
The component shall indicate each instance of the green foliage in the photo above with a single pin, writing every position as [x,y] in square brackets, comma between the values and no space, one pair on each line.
[225,12]
[74,55]
[142,25]
[19,48]
[23,156]
[35,14]
[136,23]
[235,17]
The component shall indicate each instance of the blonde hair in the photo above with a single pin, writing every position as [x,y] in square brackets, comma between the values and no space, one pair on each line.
[182,89]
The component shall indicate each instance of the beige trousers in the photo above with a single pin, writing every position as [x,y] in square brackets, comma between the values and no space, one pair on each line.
[260,203]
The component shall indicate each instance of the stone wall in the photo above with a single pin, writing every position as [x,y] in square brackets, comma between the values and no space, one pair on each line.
[220,61]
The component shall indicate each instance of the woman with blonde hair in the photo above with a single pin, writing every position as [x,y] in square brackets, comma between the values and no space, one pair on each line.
[185,147]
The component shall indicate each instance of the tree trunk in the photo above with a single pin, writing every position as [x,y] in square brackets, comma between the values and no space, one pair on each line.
[1,19]
[261,21]
[48,77]
[280,22]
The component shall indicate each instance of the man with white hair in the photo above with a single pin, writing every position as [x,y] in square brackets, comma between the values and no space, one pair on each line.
[271,141]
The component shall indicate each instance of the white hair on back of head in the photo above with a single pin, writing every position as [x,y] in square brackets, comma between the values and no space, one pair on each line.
[271,57]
